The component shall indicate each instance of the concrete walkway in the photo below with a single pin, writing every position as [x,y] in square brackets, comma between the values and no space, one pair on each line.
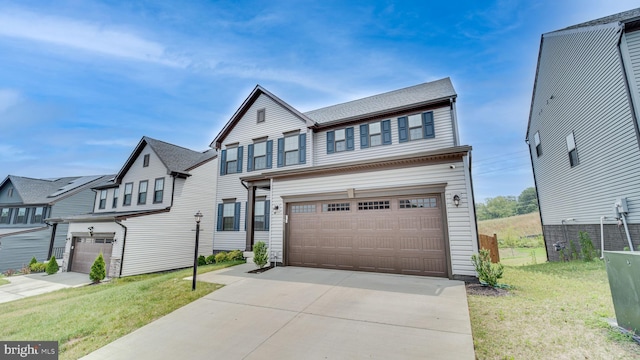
[35,284]
[301,313]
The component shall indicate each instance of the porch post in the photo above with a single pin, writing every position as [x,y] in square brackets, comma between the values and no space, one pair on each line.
[251,199]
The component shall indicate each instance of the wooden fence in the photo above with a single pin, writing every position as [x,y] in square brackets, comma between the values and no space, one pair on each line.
[490,243]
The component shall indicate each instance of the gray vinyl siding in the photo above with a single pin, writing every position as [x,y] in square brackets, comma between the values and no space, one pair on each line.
[444,138]
[17,250]
[77,204]
[4,195]
[581,70]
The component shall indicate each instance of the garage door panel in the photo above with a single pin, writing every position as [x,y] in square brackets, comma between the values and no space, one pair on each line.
[85,254]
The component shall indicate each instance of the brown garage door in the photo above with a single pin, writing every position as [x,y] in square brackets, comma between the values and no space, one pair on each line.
[86,250]
[401,235]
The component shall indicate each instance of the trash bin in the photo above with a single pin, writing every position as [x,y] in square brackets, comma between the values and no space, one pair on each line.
[623,271]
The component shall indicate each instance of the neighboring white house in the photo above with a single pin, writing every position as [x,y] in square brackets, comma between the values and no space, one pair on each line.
[583,133]
[376,184]
[143,218]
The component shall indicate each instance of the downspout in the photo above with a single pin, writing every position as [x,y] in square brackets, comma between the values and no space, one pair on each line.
[602,219]
[173,190]
[454,122]
[473,203]
[124,242]
[626,230]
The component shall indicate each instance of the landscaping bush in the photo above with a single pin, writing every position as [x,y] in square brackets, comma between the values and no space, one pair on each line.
[38,267]
[235,255]
[25,270]
[10,272]
[33,261]
[488,273]
[98,269]
[260,256]
[211,259]
[586,247]
[221,257]
[202,260]
[52,266]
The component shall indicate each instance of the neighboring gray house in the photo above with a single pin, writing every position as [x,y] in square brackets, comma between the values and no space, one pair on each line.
[25,206]
[142,220]
[583,133]
[376,184]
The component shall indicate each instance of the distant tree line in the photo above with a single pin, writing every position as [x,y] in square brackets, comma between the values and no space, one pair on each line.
[505,206]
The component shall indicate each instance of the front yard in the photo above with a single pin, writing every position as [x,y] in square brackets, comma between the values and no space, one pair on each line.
[87,318]
[555,311]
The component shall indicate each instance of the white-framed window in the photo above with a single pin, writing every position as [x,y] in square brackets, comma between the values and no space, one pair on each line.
[21,216]
[572,150]
[145,160]
[114,203]
[37,216]
[536,140]
[231,165]
[10,192]
[128,192]
[142,192]
[291,156]
[260,155]
[340,140]
[415,127]
[375,134]
[158,190]
[261,115]
[103,199]
[5,215]
[228,217]
[259,217]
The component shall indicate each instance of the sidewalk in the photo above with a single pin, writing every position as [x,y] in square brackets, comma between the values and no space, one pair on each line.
[35,284]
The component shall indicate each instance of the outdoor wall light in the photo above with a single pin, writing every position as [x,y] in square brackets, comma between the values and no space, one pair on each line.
[456,200]
[90,228]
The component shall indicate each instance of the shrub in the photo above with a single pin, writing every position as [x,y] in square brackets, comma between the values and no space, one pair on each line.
[586,247]
[211,259]
[98,269]
[202,260]
[33,261]
[25,270]
[260,257]
[52,266]
[235,255]
[10,272]
[573,250]
[488,273]
[38,267]
[221,257]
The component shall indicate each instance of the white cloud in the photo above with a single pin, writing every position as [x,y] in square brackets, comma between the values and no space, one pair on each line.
[86,36]
[8,99]
[10,153]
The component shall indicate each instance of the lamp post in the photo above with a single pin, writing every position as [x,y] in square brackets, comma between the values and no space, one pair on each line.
[198,217]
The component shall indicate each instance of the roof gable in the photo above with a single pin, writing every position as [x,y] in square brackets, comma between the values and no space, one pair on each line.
[253,96]
[44,191]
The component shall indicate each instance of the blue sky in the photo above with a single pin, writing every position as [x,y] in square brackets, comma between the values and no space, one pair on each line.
[82,81]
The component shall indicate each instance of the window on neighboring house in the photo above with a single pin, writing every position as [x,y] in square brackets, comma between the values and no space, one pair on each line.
[374,134]
[261,115]
[536,139]
[128,191]
[142,192]
[339,140]
[259,155]
[37,217]
[116,192]
[103,199]
[158,191]
[229,216]
[145,161]
[417,126]
[573,152]
[10,192]
[292,150]
[5,216]
[231,160]
[21,216]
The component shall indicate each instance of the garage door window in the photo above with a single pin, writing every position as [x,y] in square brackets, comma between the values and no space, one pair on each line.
[373,205]
[429,202]
[303,208]
[336,207]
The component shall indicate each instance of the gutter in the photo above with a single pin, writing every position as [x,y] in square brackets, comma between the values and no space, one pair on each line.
[124,242]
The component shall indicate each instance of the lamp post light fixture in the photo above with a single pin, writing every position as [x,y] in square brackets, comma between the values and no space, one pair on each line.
[198,217]
[456,200]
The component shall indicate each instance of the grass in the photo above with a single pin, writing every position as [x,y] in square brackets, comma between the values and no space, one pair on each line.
[556,311]
[520,225]
[522,256]
[87,318]
[3,281]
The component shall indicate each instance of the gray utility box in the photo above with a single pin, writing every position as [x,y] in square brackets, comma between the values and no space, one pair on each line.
[623,270]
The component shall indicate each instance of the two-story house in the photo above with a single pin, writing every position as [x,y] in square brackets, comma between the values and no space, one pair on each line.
[583,133]
[25,206]
[376,184]
[143,218]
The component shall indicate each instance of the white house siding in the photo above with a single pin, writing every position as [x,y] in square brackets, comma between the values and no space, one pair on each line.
[461,225]
[81,229]
[630,46]
[582,71]
[135,174]
[166,240]
[444,138]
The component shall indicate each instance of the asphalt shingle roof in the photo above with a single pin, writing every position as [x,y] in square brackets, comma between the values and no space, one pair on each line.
[177,158]
[422,93]
[42,191]
[619,17]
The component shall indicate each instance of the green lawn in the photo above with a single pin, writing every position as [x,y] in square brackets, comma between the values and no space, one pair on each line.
[3,281]
[522,256]
[555,311]
[87,318]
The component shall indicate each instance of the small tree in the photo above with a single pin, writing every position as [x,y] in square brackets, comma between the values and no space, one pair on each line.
[488,273]
[52,266]
[33,261]
[260,257]
[98,269]
[586,247]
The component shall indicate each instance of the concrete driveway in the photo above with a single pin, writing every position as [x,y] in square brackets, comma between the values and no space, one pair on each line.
[301,313]
[35,284]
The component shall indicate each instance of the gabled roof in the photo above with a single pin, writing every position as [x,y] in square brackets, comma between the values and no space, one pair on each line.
[177,159]
[46,191]
[624,16]
[393,101]
[253,96]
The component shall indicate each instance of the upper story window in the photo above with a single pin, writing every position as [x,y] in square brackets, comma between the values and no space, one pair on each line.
[261,115]
[142,192]
[5,216]
[231,160]
[536,139]
[37,216]
[573,152]
[103,199]
[417,126]
[145,161]
[339,140]
[10,192]
[114,203]
[229,216]
[260,155]
[374,134]
[21,216]
[292,150]
[158,191]
[128,191]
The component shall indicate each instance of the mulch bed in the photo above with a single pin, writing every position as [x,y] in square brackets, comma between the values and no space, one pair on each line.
[479,289]
[259,271]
